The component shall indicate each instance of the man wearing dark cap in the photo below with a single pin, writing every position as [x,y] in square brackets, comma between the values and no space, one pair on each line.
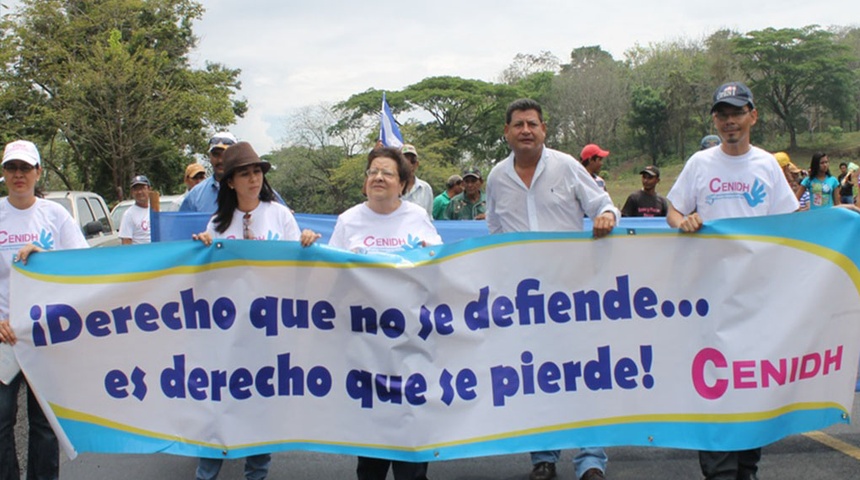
[453,187]
[472,203]
[134,226]
[758,188]
[204,196]
[646,202]
[592,157]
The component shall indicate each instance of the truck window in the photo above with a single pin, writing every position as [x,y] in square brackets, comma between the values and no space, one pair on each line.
[100,213]
[85,216]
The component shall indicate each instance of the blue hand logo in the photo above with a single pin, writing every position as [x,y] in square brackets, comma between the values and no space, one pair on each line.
[272,236]
[412,243]
[756,195]
[46,240]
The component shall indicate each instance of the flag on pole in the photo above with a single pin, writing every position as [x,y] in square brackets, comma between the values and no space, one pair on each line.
[388,131]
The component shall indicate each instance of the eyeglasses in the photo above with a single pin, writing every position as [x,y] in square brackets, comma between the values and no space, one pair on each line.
[471,180]
[734,115]
[247,233]
[221,141]
[18,167]
[376,171]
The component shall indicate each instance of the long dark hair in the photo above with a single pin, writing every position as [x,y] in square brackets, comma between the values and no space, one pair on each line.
[228,202]
[815,165]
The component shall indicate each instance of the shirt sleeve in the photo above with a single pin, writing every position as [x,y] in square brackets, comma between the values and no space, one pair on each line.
[493,224]
[291,227]
[681,192]
[71,235]
[627,210]
[126,227]
[338,236]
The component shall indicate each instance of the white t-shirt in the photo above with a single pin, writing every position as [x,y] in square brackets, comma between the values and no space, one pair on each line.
[362,230]
[135,225]
[45,223]
[717,185]
[562,192]
[269,221]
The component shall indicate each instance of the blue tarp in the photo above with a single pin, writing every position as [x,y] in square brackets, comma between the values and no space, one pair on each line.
[172,226]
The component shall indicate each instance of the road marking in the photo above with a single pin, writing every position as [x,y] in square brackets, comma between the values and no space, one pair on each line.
[835,443]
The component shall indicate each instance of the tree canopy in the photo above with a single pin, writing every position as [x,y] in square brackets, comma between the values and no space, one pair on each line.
[793,71]
[111,89]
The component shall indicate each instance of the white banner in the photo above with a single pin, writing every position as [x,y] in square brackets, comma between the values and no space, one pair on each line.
[727,339]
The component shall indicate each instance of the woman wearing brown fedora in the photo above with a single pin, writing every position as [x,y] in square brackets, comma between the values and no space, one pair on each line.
[247,210]
[246,203]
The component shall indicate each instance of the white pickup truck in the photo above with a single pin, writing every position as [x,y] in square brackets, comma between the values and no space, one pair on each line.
[91,213]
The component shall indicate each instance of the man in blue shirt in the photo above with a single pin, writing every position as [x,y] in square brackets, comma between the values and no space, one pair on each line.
[204,196]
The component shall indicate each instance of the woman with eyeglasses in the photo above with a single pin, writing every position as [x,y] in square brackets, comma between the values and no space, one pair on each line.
[31,224]
[823,188]
[247,210]
[385,223]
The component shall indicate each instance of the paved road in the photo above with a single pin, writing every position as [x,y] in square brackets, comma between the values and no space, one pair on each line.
[832,454]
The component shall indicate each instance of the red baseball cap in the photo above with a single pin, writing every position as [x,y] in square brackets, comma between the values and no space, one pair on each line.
[591,150]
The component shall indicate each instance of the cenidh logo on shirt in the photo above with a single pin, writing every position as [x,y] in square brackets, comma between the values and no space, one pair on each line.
[725,190]
[391,242]
[43,239]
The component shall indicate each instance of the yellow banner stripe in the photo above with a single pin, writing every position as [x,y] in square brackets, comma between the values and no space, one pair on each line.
[68,414]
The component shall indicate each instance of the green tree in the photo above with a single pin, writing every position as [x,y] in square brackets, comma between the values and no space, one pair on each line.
[588,100]
[793,71]
[114,87]
[678,70]
[467,113]
[648,117]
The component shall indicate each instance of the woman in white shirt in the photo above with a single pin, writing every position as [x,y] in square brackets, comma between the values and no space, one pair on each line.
[246,203]
[247,210]
[385,223]
[30,224]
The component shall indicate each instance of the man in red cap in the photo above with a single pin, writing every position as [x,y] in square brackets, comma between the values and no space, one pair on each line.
[592,159]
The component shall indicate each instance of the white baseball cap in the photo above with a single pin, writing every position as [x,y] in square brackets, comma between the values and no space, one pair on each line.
[22,150]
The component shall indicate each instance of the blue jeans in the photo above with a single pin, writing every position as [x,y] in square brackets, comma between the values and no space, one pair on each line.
[256,467]
[585,459]
[43,451]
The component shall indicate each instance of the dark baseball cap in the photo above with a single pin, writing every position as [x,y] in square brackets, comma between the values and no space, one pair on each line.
[140,180]
[734,93]
[650,170]
[472,172]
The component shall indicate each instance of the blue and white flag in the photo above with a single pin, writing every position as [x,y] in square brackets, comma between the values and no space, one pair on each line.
[388,131]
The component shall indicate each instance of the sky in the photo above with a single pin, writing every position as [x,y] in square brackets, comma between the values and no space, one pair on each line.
[296,54]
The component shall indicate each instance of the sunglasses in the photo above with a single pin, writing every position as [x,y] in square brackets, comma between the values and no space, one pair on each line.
[221,141]
[18,167]
[247,233]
